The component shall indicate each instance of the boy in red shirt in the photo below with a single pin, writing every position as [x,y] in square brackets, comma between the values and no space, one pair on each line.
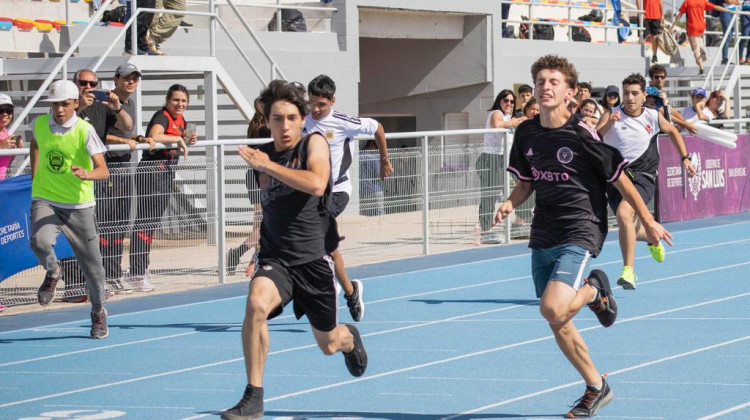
[696,25]
[653,19]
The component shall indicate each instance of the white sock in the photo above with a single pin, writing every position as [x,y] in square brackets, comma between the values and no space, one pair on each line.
[596,295]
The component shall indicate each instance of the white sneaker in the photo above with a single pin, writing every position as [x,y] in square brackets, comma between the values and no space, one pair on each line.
[490,238]
[141,283]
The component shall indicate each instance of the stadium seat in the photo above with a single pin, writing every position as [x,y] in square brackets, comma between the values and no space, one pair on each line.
[6,26]
[55,24]
[23,25]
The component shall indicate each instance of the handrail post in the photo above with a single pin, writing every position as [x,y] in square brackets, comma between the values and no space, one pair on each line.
[213,175]
[134,28]
[426,196]
[506,185]
[278,17]
[67,23]
[221,214]
[604,20]
[212,28]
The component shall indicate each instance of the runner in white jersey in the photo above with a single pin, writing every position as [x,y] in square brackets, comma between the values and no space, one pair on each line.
[340,129]
[634,130]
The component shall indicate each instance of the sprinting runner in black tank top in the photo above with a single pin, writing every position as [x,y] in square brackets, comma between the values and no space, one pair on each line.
[292,220]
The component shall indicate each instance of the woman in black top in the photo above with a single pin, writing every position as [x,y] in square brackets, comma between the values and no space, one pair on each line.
[155,179]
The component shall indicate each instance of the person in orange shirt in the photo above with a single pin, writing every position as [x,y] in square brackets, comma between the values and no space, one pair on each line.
[696,25]
[653,19]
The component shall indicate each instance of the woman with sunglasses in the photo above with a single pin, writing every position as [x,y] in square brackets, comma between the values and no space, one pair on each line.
[154,179]
[7,141]
[490,162]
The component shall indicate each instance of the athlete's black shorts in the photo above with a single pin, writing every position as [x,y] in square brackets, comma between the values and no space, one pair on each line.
[653,27]
[310,286]
[645,184]
[338,203]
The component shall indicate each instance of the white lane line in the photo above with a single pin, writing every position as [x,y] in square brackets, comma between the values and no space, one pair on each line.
[199,390]
[409,394]
[144,407]
[442,378]
[526,254]
[18,362]
[223,362]
[111,346]
[685,383]
[145,311]
[505,347]
[727,411]
[373,302]
[45,372]
[183,334]
[577,383]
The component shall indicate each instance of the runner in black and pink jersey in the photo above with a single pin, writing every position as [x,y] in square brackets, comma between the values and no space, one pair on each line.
[562,160]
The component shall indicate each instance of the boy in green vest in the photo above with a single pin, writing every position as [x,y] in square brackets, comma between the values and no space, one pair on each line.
[66,156]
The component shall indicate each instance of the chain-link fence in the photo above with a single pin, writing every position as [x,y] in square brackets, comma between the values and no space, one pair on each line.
[177,223]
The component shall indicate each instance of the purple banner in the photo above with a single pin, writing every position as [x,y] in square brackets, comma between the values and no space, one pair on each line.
[721,184]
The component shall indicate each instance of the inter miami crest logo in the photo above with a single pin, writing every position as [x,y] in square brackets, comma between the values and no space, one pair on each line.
[56,161]
[564,155]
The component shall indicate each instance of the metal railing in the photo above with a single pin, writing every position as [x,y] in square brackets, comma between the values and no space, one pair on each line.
[429,205]
[571,22]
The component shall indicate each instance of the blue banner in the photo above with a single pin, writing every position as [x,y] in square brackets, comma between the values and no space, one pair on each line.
[15,228]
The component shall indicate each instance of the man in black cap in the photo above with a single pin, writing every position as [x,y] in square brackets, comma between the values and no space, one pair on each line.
[115,195]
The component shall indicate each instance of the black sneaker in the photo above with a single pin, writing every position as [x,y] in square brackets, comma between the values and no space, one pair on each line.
[249,407]
[354,301]
[604,306]
[99,327]
[591,401]
[233,260]
[356,360]
[47,290]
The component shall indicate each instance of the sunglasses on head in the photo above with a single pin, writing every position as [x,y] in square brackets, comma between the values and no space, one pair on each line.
[90,83]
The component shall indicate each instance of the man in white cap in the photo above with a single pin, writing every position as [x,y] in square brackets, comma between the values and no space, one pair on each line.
[66,156]
[104,114]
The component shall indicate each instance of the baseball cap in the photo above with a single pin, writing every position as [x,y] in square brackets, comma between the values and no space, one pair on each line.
[699,91]
[5,99]
[612,89]
[126,69]
[62,90]
[652,91]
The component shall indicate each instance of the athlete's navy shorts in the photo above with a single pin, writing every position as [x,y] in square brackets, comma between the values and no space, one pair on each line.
[310,286]
[338,203]
[643,182]
[565,263]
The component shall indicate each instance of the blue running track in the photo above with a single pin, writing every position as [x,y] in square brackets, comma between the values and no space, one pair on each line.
[451,336]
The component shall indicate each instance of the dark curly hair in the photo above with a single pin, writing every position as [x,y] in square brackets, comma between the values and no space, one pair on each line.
[635,79]
[555,62]
[281,90]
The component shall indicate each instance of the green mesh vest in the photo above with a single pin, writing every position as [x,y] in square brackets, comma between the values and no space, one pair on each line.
[53,180]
